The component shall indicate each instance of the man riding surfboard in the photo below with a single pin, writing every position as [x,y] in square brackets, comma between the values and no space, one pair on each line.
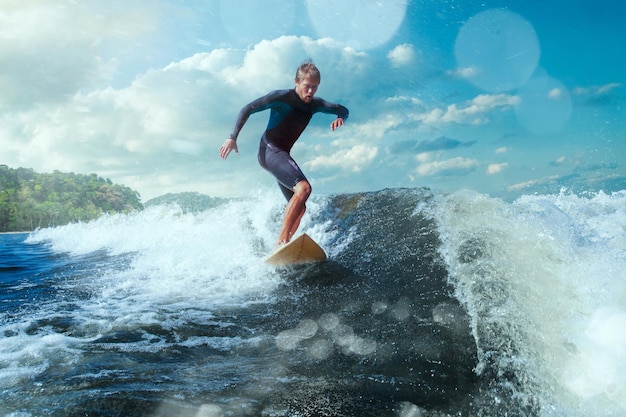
[290,113]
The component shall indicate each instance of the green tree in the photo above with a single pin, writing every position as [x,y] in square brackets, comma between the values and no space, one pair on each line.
[29,200]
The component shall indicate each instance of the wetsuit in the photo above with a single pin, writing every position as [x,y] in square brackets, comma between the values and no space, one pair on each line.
[289,117]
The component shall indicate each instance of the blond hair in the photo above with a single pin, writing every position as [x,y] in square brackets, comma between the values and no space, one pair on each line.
[308,68]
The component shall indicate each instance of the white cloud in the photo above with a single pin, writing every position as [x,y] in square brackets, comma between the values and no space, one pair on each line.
[404,101]
[597,90]
[532,183]
[354,159]
[51,51]
[465,73]
[496,168]
[456,165]
[608,87]
[502,149]
[375,129]
[402,55]
[475,111]
[169,123]
[555,93]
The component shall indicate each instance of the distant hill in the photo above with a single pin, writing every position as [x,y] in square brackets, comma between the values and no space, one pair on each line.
[29,200]
[189,202]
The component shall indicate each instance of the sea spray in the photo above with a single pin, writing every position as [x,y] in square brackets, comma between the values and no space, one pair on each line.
[542,279]
[430,304]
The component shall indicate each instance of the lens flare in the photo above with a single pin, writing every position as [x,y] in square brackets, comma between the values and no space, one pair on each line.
[497,50]
[359,24]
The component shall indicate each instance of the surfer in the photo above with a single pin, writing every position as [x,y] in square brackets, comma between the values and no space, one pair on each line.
[291,111]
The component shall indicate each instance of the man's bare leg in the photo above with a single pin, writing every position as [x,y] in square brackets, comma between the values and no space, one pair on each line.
[296,207]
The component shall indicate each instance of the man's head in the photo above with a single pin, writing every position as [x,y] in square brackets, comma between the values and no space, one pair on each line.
[307,80]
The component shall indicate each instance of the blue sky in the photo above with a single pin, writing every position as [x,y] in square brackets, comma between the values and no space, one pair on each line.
[502,97]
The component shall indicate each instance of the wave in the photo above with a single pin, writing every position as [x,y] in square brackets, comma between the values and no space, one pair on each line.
[542,280]
[430,304]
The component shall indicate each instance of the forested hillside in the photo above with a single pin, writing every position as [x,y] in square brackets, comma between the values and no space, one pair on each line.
[29,200]
[189,202]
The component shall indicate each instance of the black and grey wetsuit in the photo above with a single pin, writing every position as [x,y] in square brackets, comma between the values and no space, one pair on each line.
[289,117]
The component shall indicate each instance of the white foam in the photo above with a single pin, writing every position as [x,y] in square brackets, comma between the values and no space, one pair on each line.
[597,368]
[544,275]
[214,256]
[158,266]
[23,355]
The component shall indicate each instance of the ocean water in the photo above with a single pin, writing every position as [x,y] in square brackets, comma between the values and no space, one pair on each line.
[431,304]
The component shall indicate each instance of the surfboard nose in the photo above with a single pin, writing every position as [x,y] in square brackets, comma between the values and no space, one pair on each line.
[302,249]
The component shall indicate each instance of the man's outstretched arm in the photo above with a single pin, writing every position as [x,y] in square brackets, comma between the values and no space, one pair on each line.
[257,105]
[337,123]
[228,146]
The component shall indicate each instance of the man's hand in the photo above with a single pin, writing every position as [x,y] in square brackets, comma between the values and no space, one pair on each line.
[336,123]
[228,146]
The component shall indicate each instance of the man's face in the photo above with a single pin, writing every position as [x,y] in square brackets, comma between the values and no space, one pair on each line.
[306,88]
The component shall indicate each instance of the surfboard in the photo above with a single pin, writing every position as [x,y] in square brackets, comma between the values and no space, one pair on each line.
[302,249]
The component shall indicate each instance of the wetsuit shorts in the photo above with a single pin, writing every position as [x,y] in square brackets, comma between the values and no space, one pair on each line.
[281,165]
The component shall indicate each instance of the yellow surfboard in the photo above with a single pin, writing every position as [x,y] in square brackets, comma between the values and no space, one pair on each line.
[301,250]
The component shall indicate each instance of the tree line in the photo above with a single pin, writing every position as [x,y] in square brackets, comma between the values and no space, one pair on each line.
[30,200]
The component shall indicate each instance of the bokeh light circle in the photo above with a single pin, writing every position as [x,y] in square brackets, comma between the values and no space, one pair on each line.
[498,50]
[545,105]
[242,19]
[362,24]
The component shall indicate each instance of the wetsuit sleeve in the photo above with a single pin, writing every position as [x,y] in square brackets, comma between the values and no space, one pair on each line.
[260,104]
[324,106]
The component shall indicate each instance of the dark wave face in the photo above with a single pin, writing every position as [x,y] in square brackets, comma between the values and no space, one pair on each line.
[388,329]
